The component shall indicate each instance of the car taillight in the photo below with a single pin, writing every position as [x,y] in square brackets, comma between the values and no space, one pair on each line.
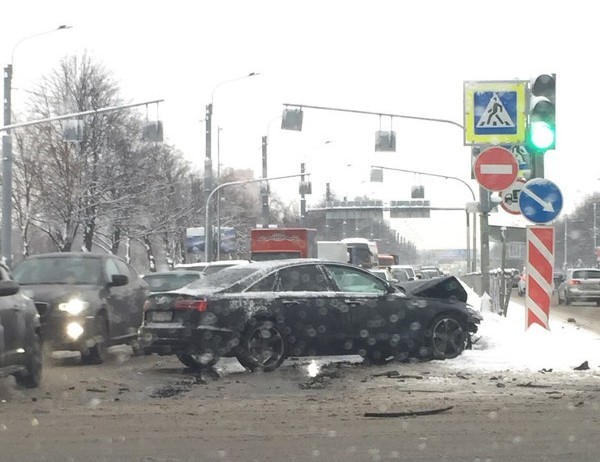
[147,305]
[574,282]
[194,305]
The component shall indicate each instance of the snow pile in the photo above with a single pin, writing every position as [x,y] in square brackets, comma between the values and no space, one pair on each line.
[503,343]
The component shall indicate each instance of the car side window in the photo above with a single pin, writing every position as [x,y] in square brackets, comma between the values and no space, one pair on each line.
[305,278]
[111,268]
[266,284]
[351,280]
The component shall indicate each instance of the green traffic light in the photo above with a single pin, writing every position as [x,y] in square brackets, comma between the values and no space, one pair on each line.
[542,135]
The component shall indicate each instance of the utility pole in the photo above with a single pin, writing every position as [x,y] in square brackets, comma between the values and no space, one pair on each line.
[565,245]
[302,196]
[6,243]
[484,246]
[264,192]
[595,238]
[208,179]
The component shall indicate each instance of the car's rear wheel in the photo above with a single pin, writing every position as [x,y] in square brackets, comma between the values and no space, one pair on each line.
[568,300]
[197,362]
[96,354]
[32,376]
[446,336]
[263,346]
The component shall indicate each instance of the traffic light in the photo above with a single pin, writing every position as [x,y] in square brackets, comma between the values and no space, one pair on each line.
[541,129]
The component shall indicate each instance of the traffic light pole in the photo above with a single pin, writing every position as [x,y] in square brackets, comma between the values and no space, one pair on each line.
[484,227]
[6,240]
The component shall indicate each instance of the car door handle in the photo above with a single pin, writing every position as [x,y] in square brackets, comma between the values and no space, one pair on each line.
[290,302]
[354,302]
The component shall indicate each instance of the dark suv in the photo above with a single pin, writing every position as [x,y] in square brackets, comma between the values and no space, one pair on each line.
[20,334]
[86,301]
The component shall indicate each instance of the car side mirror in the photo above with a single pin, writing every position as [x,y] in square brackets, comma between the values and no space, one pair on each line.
[118,280]
[8,288]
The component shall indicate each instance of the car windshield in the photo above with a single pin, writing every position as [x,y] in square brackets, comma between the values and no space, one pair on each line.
[224,278]
[586,274]
[59,270]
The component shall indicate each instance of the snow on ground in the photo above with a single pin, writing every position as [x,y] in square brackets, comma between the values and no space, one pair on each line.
[504,343]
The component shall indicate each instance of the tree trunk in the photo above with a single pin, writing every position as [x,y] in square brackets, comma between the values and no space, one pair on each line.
[149,253]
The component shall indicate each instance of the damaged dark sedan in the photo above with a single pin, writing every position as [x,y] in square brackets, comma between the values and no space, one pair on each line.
[264,312]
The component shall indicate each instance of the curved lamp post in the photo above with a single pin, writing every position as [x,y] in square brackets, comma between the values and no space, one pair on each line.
[207,254]
[447,177]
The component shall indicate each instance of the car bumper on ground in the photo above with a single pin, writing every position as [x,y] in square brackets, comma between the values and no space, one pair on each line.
[168,339]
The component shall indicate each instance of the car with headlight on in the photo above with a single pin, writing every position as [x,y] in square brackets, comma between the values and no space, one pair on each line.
[86,302]
[20,334]
[263,312]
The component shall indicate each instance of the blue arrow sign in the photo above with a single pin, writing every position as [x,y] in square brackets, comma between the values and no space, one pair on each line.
[540,200]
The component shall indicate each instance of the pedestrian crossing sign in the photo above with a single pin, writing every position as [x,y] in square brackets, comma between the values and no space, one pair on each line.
[495,112]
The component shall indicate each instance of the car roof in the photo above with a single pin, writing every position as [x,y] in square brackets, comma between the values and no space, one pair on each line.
[177,273]
[228,262]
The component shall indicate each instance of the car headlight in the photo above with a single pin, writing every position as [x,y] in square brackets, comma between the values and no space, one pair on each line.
[73,306]
[74,330]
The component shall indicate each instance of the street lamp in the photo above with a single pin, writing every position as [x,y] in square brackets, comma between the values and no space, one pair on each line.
[232,183]
[6,238]
[208,176]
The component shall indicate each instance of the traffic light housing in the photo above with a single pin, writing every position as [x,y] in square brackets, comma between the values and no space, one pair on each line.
[541,125]
[541,128]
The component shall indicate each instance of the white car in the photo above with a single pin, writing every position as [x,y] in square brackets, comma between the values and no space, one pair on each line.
[384,274]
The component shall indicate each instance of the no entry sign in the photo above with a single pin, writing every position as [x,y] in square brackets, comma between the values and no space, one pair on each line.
[496,169]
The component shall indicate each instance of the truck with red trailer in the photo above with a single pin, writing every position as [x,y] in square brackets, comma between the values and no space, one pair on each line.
[281,243]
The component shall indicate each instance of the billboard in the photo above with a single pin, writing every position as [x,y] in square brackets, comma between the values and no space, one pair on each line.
[194,239]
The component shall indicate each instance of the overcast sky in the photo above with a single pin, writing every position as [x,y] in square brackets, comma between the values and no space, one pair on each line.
[407,58]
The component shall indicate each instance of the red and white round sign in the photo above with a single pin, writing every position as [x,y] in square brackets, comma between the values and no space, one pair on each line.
[510,197]
[496,168]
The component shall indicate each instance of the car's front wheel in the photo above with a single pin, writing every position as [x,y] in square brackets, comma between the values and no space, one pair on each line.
[197,362]
[263,346]
[446,336]
[32,376]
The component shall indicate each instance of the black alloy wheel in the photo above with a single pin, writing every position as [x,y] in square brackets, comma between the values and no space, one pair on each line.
[97,353]
[448,337]
[263,347]
[32,376]
[197,362]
